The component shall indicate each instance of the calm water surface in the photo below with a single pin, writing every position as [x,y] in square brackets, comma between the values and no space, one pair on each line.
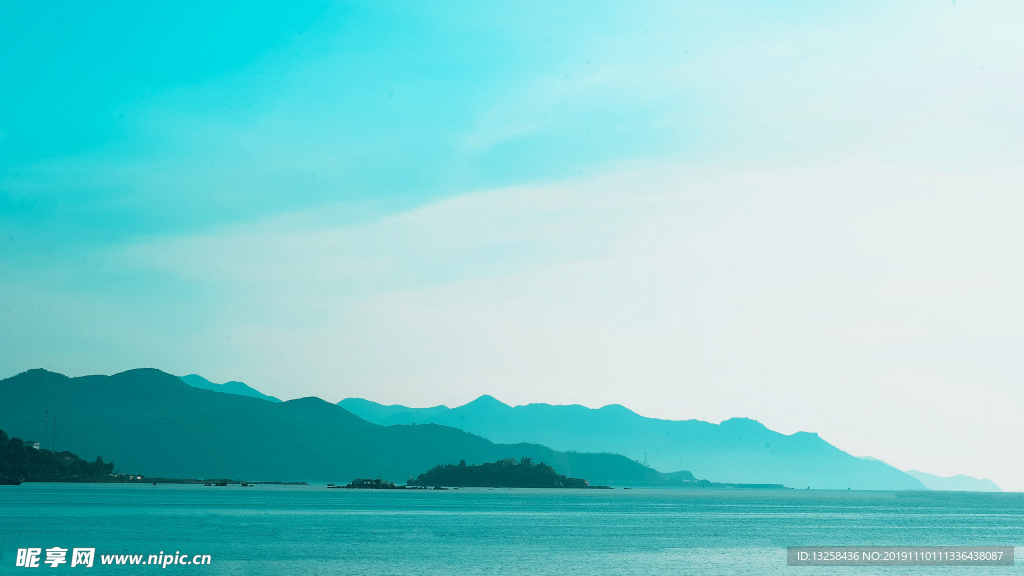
[275,530]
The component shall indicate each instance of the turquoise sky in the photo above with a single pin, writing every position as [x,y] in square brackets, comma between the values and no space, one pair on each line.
[133,119]
[697,210]
[130,120]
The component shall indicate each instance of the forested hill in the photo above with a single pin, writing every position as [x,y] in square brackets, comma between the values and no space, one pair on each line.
[21,461]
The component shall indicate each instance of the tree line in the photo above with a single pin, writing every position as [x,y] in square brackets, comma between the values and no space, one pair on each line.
[503,473]
[19,460]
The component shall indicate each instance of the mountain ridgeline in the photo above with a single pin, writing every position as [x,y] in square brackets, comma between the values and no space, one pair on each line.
[154,424]
[959,483]
[738,450]
[233,387]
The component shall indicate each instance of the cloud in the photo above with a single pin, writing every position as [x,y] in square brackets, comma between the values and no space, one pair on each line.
[860,300]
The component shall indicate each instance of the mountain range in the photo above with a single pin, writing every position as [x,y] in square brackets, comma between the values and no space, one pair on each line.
[959,483]
[738,450]
[152,423]
[233,387]
[156,424]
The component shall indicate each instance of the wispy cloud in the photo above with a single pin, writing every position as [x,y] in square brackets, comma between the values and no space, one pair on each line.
[801,297]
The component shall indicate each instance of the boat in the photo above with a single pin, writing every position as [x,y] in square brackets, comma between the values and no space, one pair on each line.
[10,481]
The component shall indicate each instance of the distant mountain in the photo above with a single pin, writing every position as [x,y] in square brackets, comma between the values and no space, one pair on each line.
[958,483]
[239,388]
[152,423]
[738,450]
[374,412]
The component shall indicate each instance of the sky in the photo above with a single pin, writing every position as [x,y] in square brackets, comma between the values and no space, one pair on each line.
[801,212]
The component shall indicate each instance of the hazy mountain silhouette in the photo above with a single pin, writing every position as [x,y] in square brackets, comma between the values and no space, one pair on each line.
[737,450]
[233,387]
[959,482]
[376,412]
[152,423]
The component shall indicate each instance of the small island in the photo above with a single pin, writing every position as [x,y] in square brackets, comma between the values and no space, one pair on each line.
[507,473]
[369,484]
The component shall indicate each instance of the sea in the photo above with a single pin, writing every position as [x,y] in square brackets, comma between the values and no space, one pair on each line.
[278,530]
